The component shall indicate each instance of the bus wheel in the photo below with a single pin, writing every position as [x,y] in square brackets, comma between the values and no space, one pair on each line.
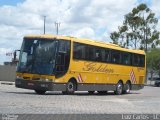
[119,88]
[71,87]
[91,92]
[64,92]
[102,92]
[128,88]
[40,92]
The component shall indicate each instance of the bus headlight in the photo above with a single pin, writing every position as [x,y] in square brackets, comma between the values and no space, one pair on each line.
[47,80]
[19,77]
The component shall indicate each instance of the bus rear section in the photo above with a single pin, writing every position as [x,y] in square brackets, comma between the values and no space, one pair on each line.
[107,67]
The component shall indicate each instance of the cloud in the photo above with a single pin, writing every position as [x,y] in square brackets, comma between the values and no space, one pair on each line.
[93,19]
[85,32]
[155,7]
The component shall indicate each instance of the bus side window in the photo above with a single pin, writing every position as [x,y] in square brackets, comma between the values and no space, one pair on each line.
[90,53]
[107,55]
[126,58]
[98,54]
[79,51]
[141,60]
[136,59]
[116,58]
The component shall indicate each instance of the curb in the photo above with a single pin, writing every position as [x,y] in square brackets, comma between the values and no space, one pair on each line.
[149,85]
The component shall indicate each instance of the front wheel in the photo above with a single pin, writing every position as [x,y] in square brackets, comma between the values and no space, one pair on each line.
[40,92]
[64,92]
[102,92]
[119,88]
[71,87]
[91,92]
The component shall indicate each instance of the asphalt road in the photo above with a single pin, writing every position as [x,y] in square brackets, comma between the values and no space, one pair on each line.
[19,101]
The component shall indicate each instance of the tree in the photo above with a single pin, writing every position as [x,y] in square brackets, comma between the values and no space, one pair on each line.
[153,61]
[138,29]
[114,36]
[147,26]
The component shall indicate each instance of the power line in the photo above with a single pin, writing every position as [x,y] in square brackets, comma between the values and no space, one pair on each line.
[44,24]
[57,25]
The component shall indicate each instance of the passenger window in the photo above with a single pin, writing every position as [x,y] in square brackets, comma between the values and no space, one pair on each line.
[98,54]
[115,56]
[135,60]
[79,51]
[90,53]
[141,61]
[126,58]
[138,60]
[105,55]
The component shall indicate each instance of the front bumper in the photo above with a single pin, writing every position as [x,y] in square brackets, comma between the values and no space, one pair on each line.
[40,85]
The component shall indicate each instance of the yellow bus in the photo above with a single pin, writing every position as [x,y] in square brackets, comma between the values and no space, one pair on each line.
[69,64]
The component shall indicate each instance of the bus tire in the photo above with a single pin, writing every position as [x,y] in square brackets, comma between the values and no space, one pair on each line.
[91,92]
[64,92]
[128,88]
[102,92]
[119,88]
[71,87]
[40,92]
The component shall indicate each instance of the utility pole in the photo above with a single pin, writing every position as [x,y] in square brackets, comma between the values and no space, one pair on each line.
[57,25]
[44,24]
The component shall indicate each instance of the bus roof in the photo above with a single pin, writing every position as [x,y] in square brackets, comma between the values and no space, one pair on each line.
[85,41]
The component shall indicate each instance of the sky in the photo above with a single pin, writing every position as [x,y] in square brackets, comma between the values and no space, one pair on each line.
[93,19]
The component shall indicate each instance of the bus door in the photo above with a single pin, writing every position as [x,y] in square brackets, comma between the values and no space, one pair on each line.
[62,58]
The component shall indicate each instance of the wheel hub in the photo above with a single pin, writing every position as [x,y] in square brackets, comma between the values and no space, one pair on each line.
[70,87]
[119,88]
[127,88]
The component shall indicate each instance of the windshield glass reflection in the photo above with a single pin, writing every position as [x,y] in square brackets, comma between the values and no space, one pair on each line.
[37,56]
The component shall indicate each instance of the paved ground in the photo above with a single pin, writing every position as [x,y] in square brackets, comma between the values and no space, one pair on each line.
[18,101]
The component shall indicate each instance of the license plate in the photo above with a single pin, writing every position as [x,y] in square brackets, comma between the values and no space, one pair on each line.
[30,84]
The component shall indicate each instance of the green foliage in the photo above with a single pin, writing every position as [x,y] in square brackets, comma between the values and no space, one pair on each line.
[153,61]
[114,36]
[138,29]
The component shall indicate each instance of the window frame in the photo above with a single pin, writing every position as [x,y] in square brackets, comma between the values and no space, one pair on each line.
[110,52]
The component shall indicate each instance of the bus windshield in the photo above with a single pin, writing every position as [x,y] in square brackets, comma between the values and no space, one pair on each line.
[37,56]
